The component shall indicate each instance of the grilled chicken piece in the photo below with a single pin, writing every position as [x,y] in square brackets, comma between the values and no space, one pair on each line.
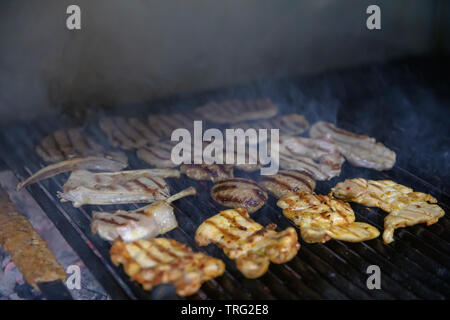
[158,154]
[143,223]
[212,172]
[247,242]
[233,111]
[405,207]
[72,143]
[160,260]
[89,163]
[239,192]
[288,124]
[287,181]
[134,186]
[319,158]
[164,124]
[127,133]
[361,151]
[322,218]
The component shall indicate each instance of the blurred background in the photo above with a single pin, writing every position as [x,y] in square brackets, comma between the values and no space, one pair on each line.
[130,51]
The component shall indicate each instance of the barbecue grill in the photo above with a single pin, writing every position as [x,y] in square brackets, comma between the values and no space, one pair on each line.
[415,266]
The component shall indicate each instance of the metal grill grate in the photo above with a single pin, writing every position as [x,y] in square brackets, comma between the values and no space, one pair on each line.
[415,266]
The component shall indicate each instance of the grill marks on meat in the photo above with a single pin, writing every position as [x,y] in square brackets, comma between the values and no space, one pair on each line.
[319,158]
[138,186]
[70,143]
[405,207]
[158,155]
[361,151]
[322,218]
[286,181]
[142,223]
[289,124]
[160,260]
[233,111]
[212,172]
[251,245]
[239,192]
[164,124]
[127,133]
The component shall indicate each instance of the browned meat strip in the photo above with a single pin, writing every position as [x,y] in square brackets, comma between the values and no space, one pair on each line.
[26,248]
[232,111]
[238,192]
[286,181]
[164,124]
[213,172]
[157,154]
[361,151]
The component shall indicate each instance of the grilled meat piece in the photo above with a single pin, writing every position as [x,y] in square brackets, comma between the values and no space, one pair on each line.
[160,260]
[213,172]
[288,124]
[142,223]
[133,186]
[89,163]
[233,111]
[319,158]
[247,242]
[127,133]
[405,207]
[239,193]
[27,249]
[72,143]
[287,181]
[158,154]
[361,151]
[322,218]
[164,124]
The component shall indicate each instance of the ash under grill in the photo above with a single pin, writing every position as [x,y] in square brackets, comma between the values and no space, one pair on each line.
[415,266]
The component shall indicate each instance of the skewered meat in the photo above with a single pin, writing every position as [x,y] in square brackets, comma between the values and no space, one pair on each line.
[158,154]
[89,163]
[239,192]
[127,133]
[133,186]
[319,158]
[288,124]
[213,172]
[27,249]
[233,111]
[164,124]
[246,241]
[361,151]
[142,223]
[70,143]
[160,260]
[322,218]
[405,207]
[286,181]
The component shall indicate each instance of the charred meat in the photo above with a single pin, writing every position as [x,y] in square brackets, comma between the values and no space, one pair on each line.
[160,260]
[321,218]
[134,186]
[405,207]
[288,124]
[239,193]
[157,154]
[247,242]
[287,181]
[142,223]
[361,151]
[73,143]
[212,172]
